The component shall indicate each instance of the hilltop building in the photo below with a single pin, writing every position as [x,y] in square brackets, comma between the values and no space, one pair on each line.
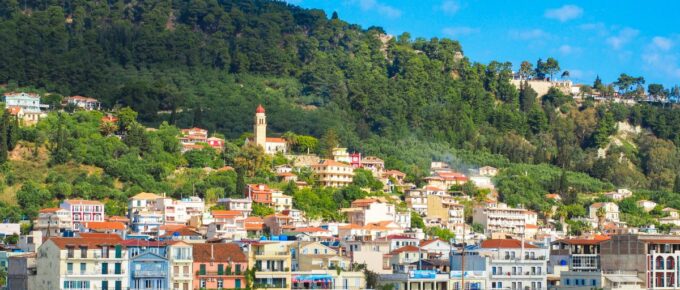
[270,145]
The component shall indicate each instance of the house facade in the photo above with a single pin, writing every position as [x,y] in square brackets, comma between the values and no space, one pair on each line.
[219,266]
[83,211]
[99,262]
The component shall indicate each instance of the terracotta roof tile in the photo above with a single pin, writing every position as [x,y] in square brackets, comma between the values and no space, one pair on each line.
[505,244]
[91,241]
[214,252]
[104,225]
[403,249]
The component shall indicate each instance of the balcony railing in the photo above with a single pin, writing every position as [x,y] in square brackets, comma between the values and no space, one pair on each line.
[271,253]
[95,273]
[217,273]
[149,273]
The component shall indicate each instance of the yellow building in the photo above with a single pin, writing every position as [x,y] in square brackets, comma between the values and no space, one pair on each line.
[181,265]
[272,261]
[333,174]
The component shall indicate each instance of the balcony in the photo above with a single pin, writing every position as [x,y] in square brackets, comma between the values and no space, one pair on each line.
[279,255]
[97,272]
[149,273]
[217,273]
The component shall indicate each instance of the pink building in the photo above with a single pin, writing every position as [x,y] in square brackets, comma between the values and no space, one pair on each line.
[219,266]
[84,211]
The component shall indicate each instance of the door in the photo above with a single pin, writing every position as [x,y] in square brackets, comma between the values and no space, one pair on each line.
[238,284]
[119,285]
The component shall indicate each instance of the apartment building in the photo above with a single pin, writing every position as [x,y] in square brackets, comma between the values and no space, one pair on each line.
[259,193]
[579,260]
[514,264]
[632,261]
[83,211]
[229,224]
[498,219]
[281,202]
[272,262]
[52,222]
[333,173]
[180,265]
[148,261]
[97,261]
[370,210]
[219,266]
[240,204]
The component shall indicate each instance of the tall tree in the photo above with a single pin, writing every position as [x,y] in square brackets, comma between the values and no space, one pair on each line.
[526,70]
[552,66]
[4,124]
[527,96]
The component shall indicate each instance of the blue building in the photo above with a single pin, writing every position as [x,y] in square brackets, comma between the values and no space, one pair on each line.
[149,266]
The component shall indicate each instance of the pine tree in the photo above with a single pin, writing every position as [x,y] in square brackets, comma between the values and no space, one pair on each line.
[676,185]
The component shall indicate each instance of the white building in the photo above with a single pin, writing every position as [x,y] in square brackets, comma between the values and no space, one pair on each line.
[515,265]
[369,210]
[83,211]
[53,221]
[85,103]
[646,205]
[239,204]
[610,208]
[281,202]
[499,218]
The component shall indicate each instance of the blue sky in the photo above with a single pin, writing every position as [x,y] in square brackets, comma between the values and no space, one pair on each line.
[588,38]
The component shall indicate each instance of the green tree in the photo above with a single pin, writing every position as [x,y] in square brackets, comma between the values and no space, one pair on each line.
[262,210]
[417,221]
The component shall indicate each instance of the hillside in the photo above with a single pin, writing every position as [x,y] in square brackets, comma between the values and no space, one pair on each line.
[209,63]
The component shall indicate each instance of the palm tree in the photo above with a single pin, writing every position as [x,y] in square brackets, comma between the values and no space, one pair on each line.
[601,213]
[291,138]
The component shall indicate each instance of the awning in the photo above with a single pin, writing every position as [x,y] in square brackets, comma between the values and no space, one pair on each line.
[623,278]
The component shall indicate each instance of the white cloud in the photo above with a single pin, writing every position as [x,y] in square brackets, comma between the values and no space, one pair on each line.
[380,8]
[624,36]
[568,49]
[564,13]
[659,59]
[528,34]
[662,43]
[460,30]
[450,7]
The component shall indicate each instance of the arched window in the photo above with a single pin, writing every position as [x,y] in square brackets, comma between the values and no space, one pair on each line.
[659,263]
[670,263]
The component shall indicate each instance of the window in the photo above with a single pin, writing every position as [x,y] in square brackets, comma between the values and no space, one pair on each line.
[220,283]
[238,269]
[220,269]
[117,268]
[202,270]
[105,284]
[105,268]
[83,252]
[70,252]
[105,252]
[202,283]
[119,252]
[83,267]
[69,268]
[567,282]
[237,284]
[593,282]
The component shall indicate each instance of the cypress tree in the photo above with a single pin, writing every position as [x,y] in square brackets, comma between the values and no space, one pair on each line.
[3,137]
[13,134]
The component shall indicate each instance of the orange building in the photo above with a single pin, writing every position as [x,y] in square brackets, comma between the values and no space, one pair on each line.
[259,193]
[219,266]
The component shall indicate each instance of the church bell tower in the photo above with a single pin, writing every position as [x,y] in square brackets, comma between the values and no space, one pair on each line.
[260,127]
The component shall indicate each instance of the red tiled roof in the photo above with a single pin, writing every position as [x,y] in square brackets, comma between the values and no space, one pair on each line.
[13,110]
[403,249]
[182,232]
[82,201]
[104,225]
[48,210]
[505,244]
[364,202]
[309,230]
[424,243]
[394,172]
[91,241]
[530,226]
[585,241]
[228,213]
[143,243]
[213,252]
[275,140]
[116,218]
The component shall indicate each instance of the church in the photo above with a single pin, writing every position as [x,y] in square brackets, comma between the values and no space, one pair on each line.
[271,145]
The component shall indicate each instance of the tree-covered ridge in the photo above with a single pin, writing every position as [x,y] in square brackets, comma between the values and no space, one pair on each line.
[409,101]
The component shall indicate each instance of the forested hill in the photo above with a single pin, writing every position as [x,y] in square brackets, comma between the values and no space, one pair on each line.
[209,63]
